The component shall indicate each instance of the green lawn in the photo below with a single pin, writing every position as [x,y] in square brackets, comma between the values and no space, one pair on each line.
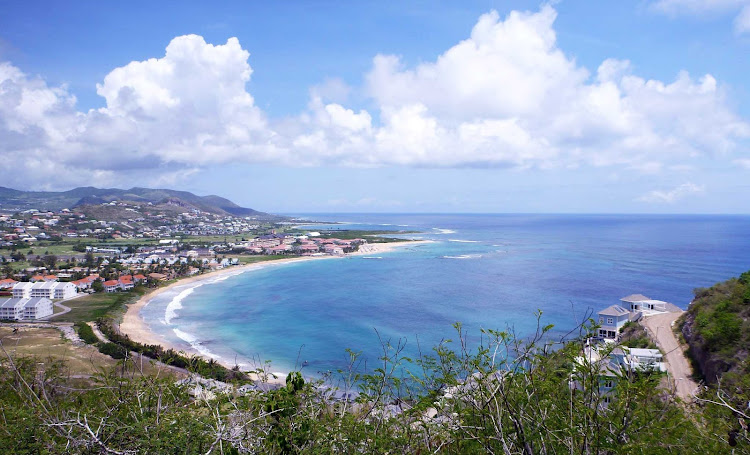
[93,306]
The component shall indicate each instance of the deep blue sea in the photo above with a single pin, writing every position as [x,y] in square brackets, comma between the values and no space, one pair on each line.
[485,271]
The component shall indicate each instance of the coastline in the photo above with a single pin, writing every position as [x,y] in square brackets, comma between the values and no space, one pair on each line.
[134,326]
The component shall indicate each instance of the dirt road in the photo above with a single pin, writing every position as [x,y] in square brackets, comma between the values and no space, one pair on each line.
[660,326]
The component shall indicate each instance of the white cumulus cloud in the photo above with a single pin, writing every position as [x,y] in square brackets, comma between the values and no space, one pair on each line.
[506,96]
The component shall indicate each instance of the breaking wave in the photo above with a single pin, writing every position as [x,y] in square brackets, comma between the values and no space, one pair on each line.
[195,343]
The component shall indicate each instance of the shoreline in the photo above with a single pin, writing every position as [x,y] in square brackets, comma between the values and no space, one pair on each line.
[135,327]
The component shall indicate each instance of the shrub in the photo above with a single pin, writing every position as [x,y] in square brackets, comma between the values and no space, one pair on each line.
[86,333]
[113,350]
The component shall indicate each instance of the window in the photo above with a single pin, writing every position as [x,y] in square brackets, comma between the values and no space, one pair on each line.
[601,320]
[609,384]
[610,321]
[607,400]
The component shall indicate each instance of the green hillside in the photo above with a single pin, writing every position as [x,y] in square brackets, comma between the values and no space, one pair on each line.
[11,199]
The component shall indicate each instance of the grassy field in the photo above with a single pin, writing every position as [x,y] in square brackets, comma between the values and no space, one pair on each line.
[93,306]
[80,360]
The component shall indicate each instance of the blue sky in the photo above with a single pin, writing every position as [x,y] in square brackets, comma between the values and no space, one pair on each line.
[632,107]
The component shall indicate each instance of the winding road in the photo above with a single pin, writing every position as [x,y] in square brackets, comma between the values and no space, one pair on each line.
[678,367]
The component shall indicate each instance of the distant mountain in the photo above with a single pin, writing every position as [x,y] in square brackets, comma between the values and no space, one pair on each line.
[11,199]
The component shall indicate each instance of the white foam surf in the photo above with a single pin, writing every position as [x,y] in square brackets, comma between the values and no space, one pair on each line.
[195,343]
[176,304]
[464,256]
[443,231]
[463,241]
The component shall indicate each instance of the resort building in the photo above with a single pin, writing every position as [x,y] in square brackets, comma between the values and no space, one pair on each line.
[25,308]
[22,290]
[46,289]
[111,286]
[36,308]
[11,309]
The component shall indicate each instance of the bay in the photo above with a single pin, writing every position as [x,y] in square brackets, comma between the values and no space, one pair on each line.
[485,271]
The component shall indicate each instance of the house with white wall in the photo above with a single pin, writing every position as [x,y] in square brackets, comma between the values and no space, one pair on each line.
[25,308]
[643,304]
[22,290]
[47,289]
[11,309]
[37,308]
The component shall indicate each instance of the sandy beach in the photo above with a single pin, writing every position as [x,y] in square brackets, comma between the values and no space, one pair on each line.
[138,330]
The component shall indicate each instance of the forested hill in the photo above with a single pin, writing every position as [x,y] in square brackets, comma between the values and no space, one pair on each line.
[717,329]
[11,199]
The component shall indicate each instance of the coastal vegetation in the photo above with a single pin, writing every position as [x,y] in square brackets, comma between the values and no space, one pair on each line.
[373,236]
[500,394]
[491,392]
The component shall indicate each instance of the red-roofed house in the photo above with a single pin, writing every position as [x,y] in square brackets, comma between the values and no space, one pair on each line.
[7,283]
[126,282]
[111,286]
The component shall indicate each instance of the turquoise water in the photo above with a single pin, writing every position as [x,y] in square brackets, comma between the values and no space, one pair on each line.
[486,271]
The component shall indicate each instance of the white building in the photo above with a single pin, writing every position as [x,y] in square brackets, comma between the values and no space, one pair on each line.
[64,291]
[46,289]
[37,308]
[641,303]
[22,290]
[25,308]
[11,309]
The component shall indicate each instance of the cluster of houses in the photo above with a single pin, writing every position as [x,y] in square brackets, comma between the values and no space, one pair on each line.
[611,360]
[304,245]
[123,283]
[147,221]
[631,308]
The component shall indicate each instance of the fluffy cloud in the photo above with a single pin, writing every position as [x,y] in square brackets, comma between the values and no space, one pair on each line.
[507,96]
[189,108]
[673,195]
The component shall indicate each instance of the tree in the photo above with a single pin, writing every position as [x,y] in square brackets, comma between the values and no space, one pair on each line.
[50,261]
[90,261]
[97,286]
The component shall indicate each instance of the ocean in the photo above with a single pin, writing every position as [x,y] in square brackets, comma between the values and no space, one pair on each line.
[484,271]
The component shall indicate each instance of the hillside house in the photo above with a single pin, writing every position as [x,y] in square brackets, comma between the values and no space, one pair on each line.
[612,318]
[643,304]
